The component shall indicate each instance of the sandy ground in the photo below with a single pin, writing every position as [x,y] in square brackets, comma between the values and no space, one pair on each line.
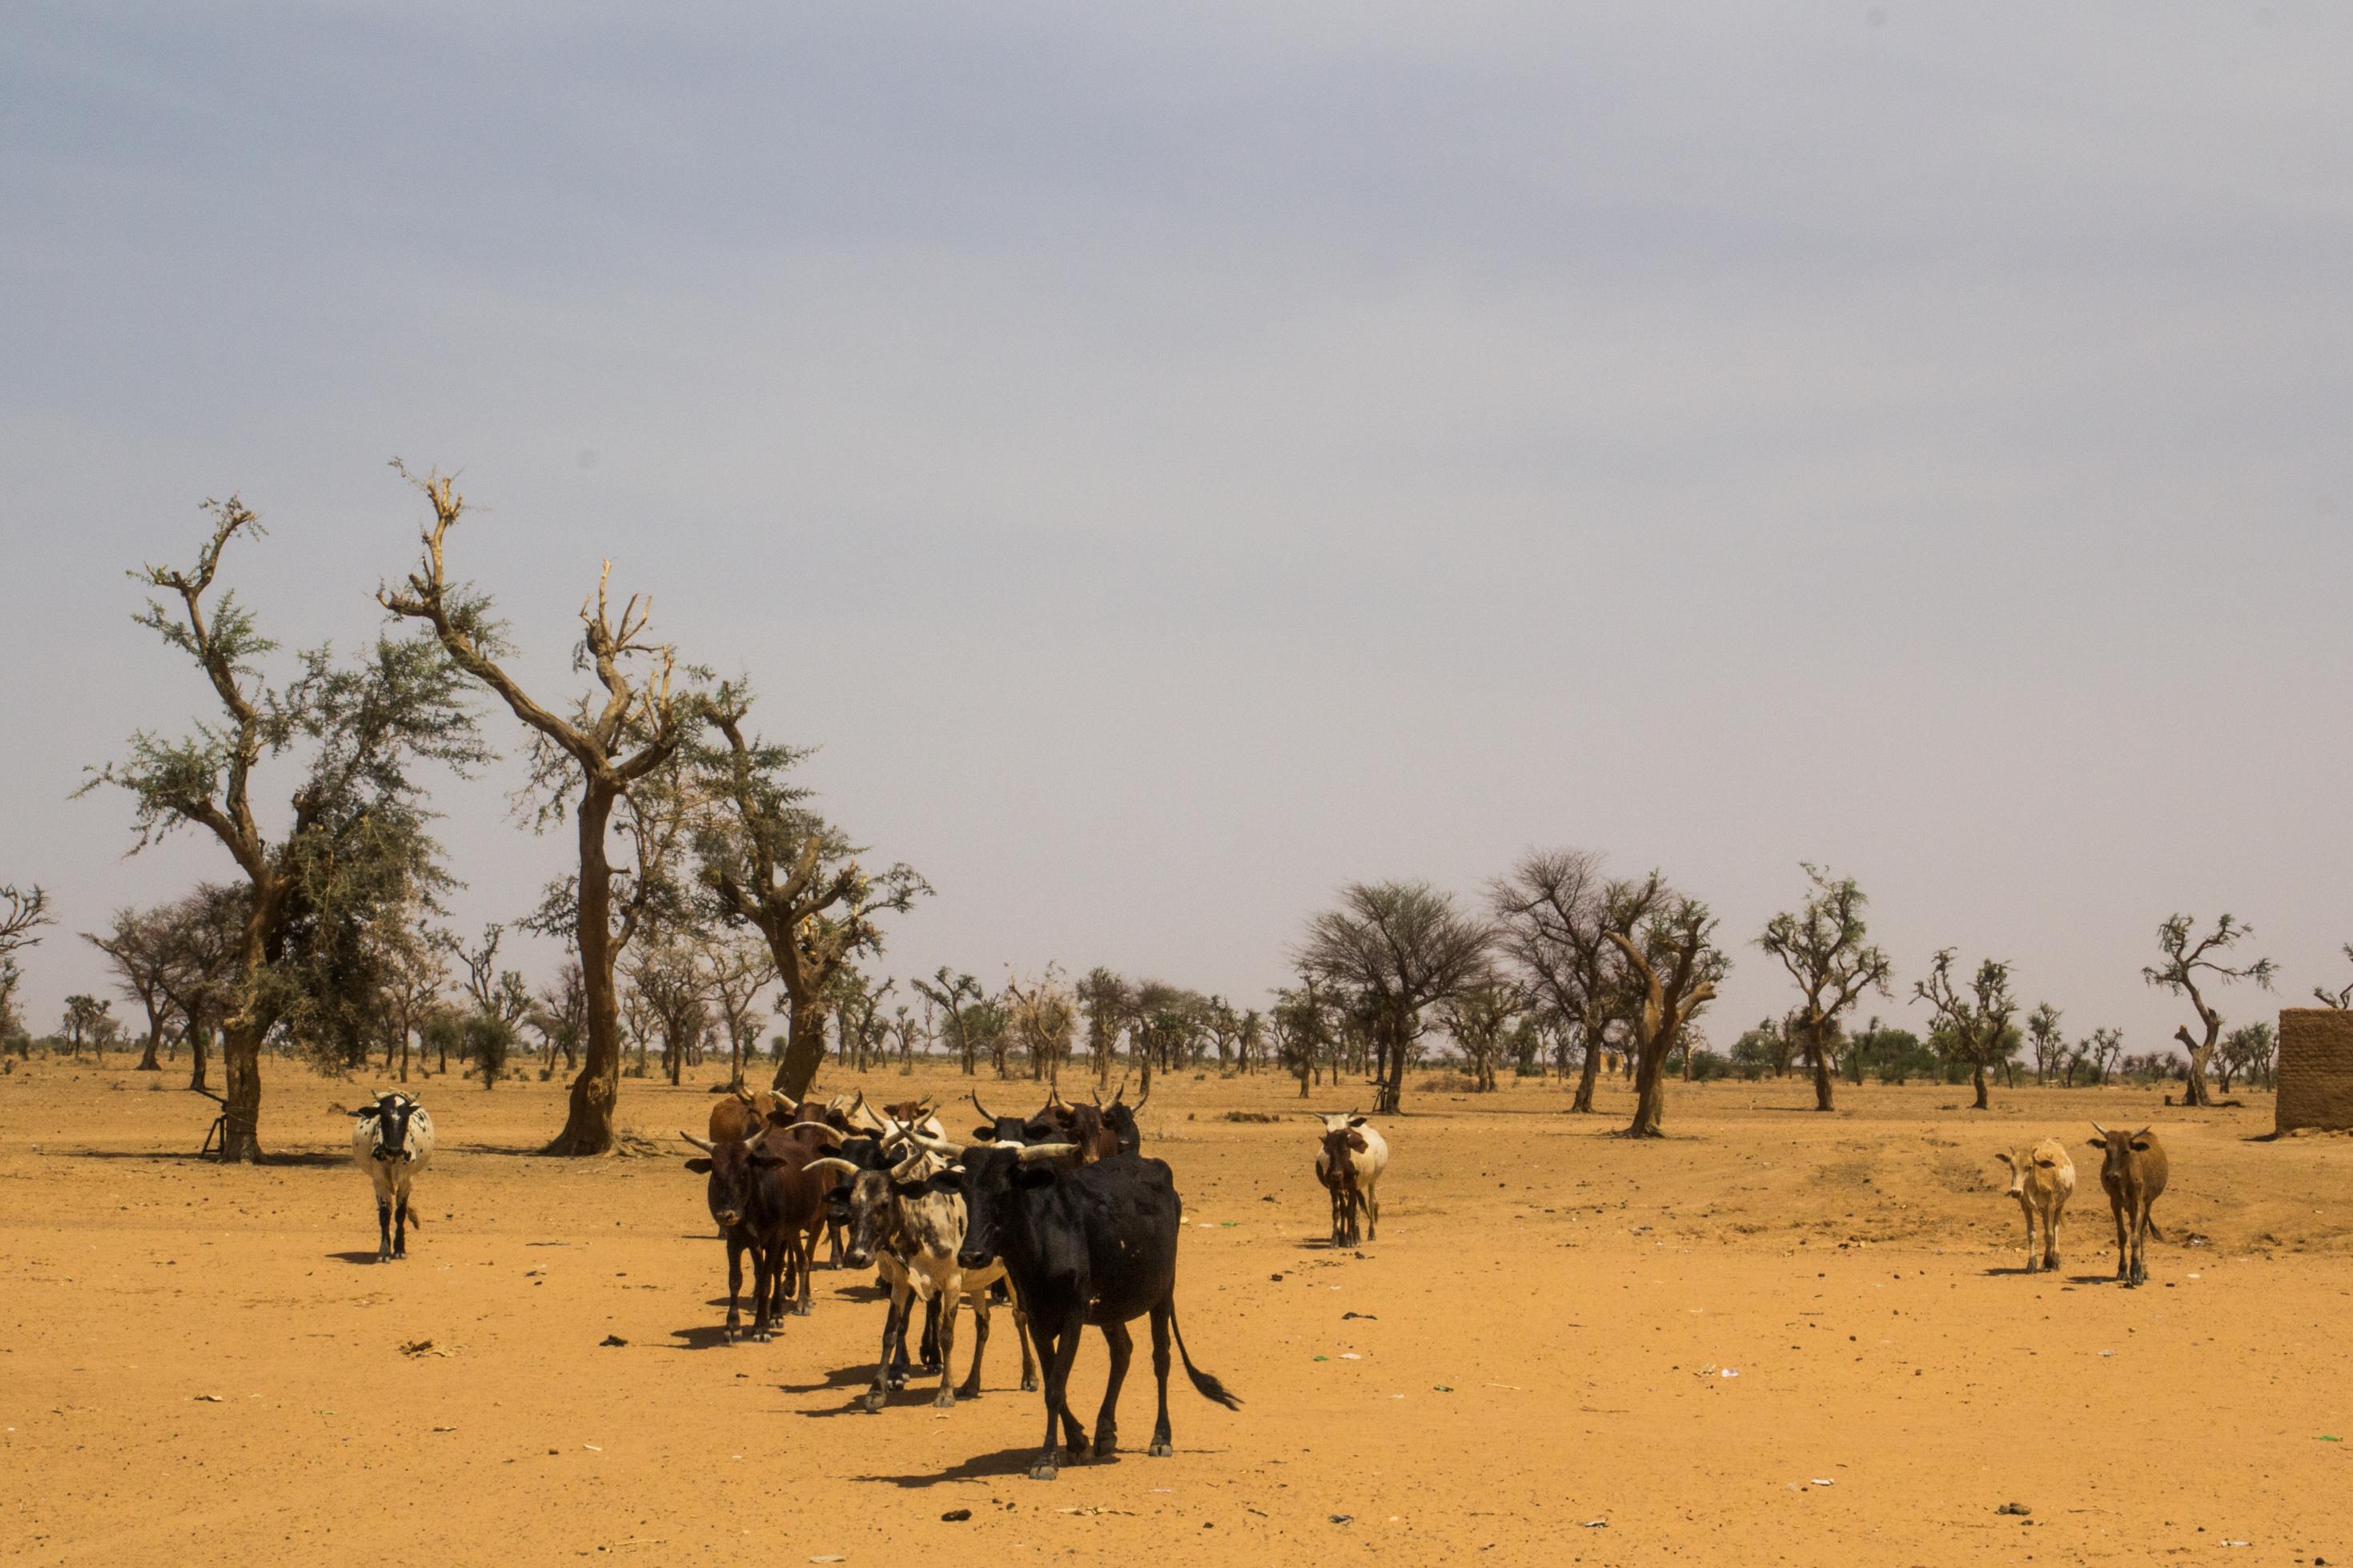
[1534,1362]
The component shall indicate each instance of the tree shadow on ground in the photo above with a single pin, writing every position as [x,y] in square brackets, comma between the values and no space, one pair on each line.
[164,1157]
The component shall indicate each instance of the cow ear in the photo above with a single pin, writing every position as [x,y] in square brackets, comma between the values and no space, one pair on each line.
[910,1190]
[840,1195]
[2047,1164]
[699,1165]
[1356,1122]
[2003,1156]
[2099,1143]
[1034,1176]
[765,1162]
[984,1134]
[2140,1145]
[946,1182]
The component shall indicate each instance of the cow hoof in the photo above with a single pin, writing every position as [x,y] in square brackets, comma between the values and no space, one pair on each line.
[873,1401]
[969,1391]
[1028,1385]
[800,1309]
[1106,1448]
[1045,1472]
[947,1401]
[761,1336]
[1161,1450]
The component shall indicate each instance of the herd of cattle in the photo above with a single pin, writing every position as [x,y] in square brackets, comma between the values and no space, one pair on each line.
[1060,1218]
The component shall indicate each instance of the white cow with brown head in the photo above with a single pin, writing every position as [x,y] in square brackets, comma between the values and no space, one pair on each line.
[2042,1178]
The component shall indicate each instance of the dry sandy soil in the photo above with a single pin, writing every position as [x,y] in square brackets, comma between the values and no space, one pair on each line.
[1535,1361]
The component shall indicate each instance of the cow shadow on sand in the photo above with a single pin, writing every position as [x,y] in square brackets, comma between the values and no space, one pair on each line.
[369,1257]
[1015,1461]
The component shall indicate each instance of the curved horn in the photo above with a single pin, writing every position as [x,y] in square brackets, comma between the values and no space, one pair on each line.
[1046,1151]
[2100,1129]
[986,1113]
[784,1102]
[1054,1094]
[830,1136]
[705,1144]
[830,1163]
[908,1169]
[1138,1108]
[940,1146]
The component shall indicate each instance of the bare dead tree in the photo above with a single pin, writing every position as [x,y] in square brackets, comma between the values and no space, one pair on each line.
[1665,942]
[609,746]
[1552,921]
[740,969]
[1822,945]
[2340,998]
[2185,958]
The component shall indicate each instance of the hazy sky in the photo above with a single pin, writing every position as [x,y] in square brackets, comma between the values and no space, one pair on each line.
[1174,460]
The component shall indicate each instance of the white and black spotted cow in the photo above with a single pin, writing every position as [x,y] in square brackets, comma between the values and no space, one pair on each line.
[393,1140]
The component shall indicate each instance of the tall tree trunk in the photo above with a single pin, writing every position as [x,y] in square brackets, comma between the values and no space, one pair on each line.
[200,1039]
[804,1050]
[588,1119]
[1590,1074]
[1820,1059]
[147,1062]
[241,1105]
[1650,1089]
[1979,1076]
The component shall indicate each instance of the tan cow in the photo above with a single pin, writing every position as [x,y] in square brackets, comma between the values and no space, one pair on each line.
[2133,1170]
[2042,1178]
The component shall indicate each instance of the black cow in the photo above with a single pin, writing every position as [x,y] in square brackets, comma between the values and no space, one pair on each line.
[1091,1244]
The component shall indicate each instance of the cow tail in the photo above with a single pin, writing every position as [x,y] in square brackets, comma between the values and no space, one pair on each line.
[1204,1383]
[2151,1223]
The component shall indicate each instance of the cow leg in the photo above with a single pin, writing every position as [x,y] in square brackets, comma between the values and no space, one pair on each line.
[2050,1237]
[400,1225]
[734,1285]
[800,1246]
[894,1321]
[1372,1213]
[382,1228]
[949,1293]
[971,1389]
[2123,1246]
[1162,1316]
[2026,1208]
[930,1346]
[1021,1332]
[2140,1244]
[1122,1348]
[1061,1348]
[763,1289]
[903,1300]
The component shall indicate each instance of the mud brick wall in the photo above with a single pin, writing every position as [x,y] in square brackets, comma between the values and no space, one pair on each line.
[2316,1067]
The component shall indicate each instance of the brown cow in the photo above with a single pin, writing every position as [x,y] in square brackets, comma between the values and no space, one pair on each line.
[767,1203]
[2133,1170]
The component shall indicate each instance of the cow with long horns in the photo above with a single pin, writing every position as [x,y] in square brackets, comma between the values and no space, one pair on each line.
[915,1234]
[393,1139]
[1094,1244]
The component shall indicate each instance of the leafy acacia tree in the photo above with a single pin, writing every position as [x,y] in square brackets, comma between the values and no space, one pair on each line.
[955,994]
[1044,1017]
[1669,960]
[357,821]
[1552,916]
[137,948]
[1822,945]
[559,1016]
[23,913]
[86,1022]
[204,935]
[1973,1028]
[2043,1037]
[1401,947]
[1480,1017]
[613,743]
[2247,1049]
[774,865]
[2185,958]
[1106,1001]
